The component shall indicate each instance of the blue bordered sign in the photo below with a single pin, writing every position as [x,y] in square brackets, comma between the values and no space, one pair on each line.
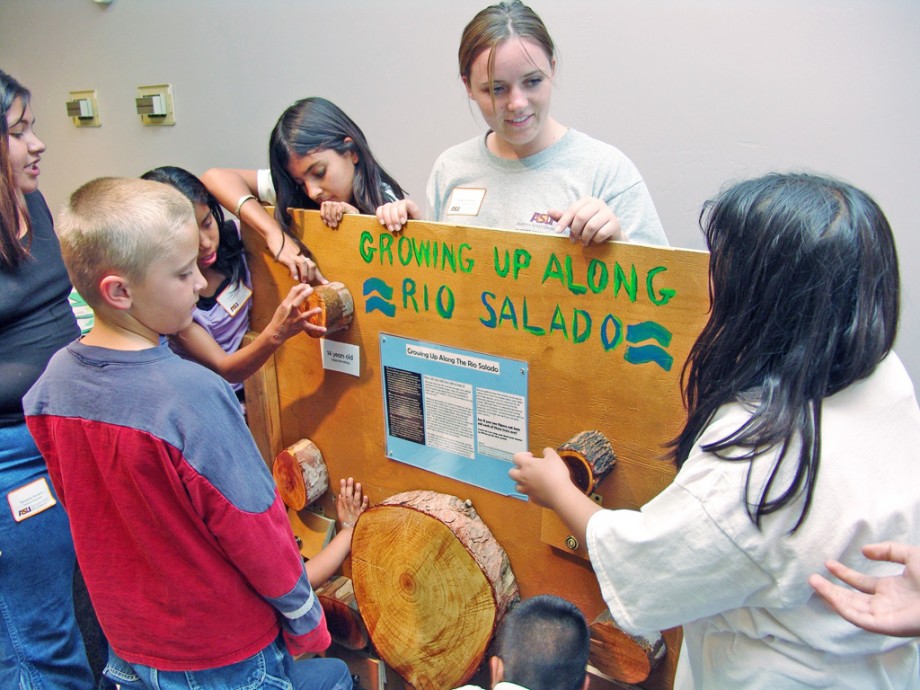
[457,413]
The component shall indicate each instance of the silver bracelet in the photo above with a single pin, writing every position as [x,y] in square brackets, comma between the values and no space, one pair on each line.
[347,525]
[239,204]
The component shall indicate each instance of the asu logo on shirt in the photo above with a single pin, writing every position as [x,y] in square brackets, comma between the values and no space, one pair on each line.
[537,222]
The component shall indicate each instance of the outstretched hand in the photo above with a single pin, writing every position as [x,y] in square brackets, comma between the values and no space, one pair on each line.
[350,503]
[886,605]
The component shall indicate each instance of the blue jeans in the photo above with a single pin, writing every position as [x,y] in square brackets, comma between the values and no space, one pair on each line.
[40,643]
[273,667]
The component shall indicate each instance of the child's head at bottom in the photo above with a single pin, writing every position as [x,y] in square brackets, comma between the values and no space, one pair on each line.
[130,247]
[542,644]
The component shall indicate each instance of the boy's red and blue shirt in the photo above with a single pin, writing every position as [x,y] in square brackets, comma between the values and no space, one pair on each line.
[180,533]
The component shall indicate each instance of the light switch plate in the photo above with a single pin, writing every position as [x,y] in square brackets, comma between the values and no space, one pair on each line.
[90,96]
[164,90]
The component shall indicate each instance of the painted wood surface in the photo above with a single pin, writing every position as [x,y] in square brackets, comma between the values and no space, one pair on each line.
[604,329]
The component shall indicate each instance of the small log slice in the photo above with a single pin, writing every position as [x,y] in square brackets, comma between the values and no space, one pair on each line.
[432,584]
[619,655]
[337,307]
[337,597]
[300,474]
[589,457]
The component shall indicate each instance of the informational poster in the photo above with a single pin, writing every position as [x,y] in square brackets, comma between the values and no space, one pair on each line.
[454,412]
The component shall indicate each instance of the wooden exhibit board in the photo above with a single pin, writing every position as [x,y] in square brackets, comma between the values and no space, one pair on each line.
[605,331]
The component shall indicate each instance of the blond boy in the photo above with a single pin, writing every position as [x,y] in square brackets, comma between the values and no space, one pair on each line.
[184,544]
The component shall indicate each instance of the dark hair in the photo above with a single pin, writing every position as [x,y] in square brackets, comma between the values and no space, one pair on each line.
[230,250]
[313,124]
[804,290]
[543,643]
[10,90]
[12,251]
[498,23]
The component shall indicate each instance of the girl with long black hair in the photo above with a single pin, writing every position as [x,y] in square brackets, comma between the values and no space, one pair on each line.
[800,445]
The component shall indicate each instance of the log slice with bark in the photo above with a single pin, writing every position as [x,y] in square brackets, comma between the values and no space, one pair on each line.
[432,585]
[337,307]
[343,618]
[620,655]
[589,457]
[300,474]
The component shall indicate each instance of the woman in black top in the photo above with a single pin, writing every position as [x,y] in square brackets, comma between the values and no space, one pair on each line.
[40,643]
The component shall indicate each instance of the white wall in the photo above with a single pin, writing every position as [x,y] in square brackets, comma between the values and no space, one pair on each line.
[696,93]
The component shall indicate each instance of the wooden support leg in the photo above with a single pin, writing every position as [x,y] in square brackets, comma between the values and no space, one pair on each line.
[263,409]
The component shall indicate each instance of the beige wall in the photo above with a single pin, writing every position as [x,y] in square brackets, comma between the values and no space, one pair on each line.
[696,93]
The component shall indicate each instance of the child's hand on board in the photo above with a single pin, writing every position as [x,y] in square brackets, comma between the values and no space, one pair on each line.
[350,503]
[332,211]
[397,213]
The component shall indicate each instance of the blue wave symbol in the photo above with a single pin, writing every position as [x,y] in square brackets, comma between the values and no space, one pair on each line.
[376,303]
[648,329]
[377,285]
[643,354]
